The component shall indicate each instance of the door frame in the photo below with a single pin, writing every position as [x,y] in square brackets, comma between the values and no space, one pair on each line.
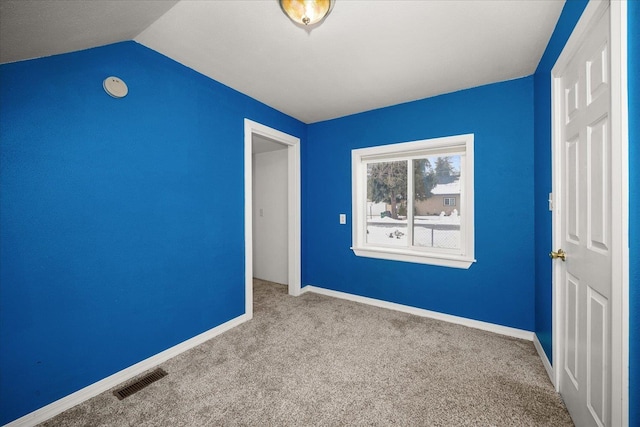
[620,201]
[293,211]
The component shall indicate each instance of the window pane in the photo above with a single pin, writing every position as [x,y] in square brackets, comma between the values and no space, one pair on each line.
[387,203]
[436,198]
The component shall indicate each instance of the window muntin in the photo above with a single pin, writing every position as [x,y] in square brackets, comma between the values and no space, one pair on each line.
[397,192]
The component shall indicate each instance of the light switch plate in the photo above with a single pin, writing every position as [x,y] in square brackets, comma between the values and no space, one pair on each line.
[343,218]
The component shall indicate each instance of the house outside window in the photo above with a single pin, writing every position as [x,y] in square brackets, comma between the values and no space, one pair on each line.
[413,201]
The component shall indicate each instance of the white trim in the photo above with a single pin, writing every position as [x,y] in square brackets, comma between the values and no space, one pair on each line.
[294,206]
[458,258]
[556,174]
[293,194]
[544,358]
[105,384]
[620,223]
[406,255]
[476,324]
[620,200]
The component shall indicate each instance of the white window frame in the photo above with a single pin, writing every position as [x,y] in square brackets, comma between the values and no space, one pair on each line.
[461,145]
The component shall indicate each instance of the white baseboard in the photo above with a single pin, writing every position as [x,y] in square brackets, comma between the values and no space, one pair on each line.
[67,402]
[545,359]
[477,324]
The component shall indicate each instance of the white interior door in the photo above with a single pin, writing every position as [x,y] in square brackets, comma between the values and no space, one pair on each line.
[585,228]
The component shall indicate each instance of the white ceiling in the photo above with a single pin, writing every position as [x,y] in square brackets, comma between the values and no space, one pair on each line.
[365,55]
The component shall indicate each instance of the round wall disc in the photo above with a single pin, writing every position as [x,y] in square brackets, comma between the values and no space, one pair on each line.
[115,87]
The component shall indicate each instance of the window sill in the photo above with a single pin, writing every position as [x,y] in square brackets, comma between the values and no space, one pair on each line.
[443,260]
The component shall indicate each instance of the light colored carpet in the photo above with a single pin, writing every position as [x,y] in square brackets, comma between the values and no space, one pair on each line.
[316,360]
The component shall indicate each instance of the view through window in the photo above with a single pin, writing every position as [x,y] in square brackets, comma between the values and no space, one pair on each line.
[435,187]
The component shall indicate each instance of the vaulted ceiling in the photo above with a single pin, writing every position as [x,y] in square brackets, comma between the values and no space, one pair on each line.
[365,55]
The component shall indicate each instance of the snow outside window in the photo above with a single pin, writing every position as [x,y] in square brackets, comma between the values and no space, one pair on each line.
[404,201]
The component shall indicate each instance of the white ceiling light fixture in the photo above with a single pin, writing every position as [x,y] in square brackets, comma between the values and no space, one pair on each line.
[306,12]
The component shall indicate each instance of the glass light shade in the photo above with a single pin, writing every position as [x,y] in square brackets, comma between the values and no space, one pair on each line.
[306,12]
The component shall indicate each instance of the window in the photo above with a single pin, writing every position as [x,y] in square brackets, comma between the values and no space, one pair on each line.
[404,201]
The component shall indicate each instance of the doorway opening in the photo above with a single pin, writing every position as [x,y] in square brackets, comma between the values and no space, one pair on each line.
[270,211]
[273,148]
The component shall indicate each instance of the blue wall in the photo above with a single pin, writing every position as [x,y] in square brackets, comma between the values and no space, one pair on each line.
[498,288]
[121,219]
[568,19]
[634,211]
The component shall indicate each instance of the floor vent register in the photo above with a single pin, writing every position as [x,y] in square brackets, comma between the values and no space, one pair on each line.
[139,384]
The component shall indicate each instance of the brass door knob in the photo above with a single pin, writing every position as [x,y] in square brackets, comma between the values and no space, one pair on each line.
[560,254]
